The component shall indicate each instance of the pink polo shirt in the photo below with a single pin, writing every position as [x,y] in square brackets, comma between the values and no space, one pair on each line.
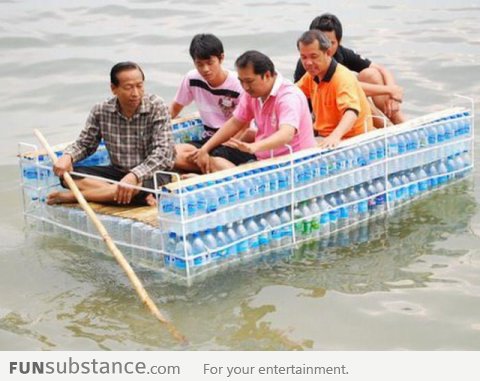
[286,104]
[215,104]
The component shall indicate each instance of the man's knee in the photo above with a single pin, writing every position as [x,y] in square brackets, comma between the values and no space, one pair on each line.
[371,75]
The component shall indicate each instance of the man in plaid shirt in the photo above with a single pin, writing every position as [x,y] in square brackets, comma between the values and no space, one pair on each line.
[138,136]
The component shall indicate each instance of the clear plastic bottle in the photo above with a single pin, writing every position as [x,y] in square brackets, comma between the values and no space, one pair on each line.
[252,230]
[276,233]
[286,232]
[241,233]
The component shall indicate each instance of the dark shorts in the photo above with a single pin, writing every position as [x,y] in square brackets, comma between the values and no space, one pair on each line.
[233,155]
[112,173]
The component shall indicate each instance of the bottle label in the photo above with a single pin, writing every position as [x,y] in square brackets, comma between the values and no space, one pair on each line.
[380,200]
[362,206]
[276,234]
[222,200]
[343,213]
[333,214]
[167,206]
[242,246]
[324,219]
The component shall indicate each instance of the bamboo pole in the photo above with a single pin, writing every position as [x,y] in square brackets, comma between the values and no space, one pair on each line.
[137,284]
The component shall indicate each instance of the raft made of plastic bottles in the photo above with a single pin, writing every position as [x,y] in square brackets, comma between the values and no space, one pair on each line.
[214,220]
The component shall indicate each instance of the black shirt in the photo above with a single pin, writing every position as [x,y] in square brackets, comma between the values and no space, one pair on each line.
[347,57]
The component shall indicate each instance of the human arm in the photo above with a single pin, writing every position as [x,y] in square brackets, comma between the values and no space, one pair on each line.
[228,130]
[64,164]
[175,109]
[346,123]
[88,140]
[160,154]
[283,136]
[124,192]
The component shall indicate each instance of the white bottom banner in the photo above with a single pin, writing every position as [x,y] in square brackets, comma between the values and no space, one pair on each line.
[259,366]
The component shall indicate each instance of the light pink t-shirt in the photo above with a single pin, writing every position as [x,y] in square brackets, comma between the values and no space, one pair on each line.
[286,104]
[215,104]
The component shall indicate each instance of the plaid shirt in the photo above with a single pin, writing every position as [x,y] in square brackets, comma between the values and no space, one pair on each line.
[142,144]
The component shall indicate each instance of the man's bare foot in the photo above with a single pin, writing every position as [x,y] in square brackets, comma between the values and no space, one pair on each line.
[57,197]
[150,200]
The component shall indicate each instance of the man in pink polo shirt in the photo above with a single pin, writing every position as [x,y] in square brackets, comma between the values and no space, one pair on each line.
[280,111]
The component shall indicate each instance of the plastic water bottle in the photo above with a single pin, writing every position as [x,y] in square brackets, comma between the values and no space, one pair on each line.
[449,130]
[199,251]
[372,205]
[440,133]
[423,181]
[422,138]
[467,123]
[276,234]
[222,241]
[201,200]
[183,251]
[211,244]
[350,159]
[324,217]
[405,182]
[314,209]
[392,145]
[252,229]
[380,149]
[402,144]
[170,248]
[286,231]
[451,165]
[432,176]
[413,189]
[363,203]
[380,199]
[263,238]
[390,192]
[397,185]
[212,198]
[432,135]
[171,243]
[190,205]
[343,211]
[442,171]
[333,213]
[352,197]
[232,241]
[308,221]
[241,233]
[298,222]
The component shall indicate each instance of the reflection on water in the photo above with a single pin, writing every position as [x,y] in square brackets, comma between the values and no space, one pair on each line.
[409,281]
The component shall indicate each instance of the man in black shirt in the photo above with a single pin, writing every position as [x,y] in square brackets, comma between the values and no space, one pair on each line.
[377,82]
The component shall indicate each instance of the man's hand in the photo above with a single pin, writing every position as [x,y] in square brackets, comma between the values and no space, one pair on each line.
[64,164]
[202,159]
[124,193]
[392,106]
[396,93]
[243,146]
[330,142]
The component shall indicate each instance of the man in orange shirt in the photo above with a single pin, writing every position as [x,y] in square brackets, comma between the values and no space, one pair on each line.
[340,106]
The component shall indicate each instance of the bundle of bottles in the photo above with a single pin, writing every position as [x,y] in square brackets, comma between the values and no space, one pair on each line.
[310,196]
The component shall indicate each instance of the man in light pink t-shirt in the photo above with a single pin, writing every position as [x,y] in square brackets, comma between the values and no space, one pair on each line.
[278,107]
[216,92]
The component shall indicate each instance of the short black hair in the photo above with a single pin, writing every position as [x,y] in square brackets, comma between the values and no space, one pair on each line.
[123,66]
[310,36]
[328,23]
[204,46]
[260,62]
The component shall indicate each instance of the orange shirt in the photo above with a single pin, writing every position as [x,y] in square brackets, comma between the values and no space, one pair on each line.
[336,93]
